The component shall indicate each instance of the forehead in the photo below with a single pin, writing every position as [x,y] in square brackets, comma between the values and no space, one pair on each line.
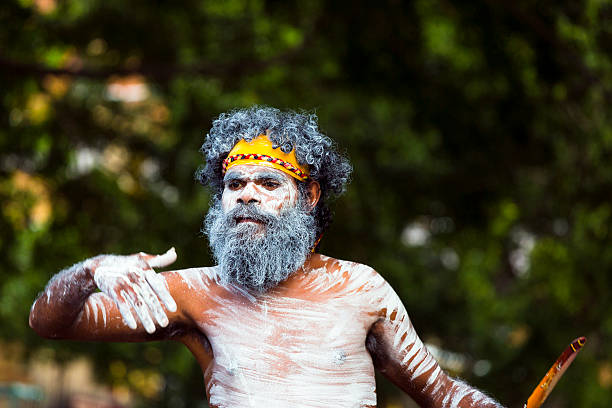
[252,171]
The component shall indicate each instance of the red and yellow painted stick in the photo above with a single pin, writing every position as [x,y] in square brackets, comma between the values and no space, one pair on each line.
[553,375]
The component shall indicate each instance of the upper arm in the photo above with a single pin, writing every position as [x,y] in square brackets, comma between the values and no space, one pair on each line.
[397,350]
[399,353]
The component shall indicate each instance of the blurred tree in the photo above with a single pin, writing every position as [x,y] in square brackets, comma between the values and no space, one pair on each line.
[478,131]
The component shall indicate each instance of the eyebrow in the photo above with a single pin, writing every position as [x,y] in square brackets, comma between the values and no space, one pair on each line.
[266,175]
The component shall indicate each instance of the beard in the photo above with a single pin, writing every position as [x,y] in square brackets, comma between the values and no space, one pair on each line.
[258,256]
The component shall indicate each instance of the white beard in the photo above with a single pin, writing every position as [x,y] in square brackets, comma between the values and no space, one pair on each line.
[256,259]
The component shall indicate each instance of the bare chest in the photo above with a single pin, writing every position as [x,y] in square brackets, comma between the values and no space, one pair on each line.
[288,351]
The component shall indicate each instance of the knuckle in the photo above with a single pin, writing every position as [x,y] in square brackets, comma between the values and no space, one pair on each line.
[139,258]
[133,276]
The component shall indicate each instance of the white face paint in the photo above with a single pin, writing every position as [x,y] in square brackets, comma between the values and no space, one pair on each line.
[269,188]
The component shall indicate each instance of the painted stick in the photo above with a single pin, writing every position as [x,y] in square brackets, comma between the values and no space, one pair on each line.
[553,375]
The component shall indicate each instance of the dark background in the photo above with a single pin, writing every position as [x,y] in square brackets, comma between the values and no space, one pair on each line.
[479,132]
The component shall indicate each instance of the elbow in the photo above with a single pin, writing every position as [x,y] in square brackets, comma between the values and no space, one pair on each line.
[41,325]
[37,326]
[44,330]
[34,320]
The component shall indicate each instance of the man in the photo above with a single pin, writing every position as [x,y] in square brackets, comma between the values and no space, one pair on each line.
[274,324]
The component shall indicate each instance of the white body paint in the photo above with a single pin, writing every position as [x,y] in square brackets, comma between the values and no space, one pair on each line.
[303,344]
[95,305]
[278,350]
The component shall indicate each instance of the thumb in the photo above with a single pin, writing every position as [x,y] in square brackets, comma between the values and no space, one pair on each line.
[159,261]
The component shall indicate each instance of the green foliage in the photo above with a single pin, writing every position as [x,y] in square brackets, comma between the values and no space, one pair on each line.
[479,133]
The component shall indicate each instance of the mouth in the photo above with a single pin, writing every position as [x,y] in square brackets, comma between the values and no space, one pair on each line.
[240,220]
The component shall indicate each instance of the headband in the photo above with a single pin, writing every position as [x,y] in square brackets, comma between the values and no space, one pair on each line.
[260,152]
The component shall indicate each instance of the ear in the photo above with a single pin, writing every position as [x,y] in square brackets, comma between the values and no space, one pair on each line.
[313,194]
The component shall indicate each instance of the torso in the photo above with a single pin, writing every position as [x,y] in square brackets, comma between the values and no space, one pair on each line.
[303,344]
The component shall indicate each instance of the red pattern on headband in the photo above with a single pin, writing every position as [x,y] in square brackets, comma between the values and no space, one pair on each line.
[264,157]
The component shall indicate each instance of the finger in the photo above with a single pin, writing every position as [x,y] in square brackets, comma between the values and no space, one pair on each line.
[146,293]
[105,284]
[141,310]
[124,309]
[160,287]
[103,278]
[159,261]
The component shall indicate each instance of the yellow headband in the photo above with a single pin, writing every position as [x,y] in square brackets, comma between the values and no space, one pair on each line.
[260,152]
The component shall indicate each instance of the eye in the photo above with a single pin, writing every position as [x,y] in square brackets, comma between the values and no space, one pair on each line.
[271,184]
[233,184]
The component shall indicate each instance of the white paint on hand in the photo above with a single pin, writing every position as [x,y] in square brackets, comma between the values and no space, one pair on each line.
[163,260]
[136,289]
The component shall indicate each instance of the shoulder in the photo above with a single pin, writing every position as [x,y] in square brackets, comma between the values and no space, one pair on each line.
[332,265]
[193,278]
[358,281]
[194,290]
[351,276]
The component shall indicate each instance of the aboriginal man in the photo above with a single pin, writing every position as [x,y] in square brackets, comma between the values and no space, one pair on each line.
[274,324]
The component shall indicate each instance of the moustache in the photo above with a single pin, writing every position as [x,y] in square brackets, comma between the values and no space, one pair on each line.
[249,212]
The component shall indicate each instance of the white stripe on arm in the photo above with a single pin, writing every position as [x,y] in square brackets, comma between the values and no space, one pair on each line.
[401,355]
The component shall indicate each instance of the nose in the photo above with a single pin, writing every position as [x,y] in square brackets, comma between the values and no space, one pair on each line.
[248,195]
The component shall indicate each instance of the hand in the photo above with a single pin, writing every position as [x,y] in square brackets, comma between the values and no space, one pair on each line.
[135,287]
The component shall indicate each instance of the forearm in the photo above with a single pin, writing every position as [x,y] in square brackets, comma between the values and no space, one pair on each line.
[131,298]
[433,388]
[399,353]
[452,393]
[59,305]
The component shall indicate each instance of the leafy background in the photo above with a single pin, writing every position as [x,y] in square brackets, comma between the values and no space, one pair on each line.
[479,132]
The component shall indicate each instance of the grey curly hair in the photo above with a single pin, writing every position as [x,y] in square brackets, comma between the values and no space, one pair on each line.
[288,130]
